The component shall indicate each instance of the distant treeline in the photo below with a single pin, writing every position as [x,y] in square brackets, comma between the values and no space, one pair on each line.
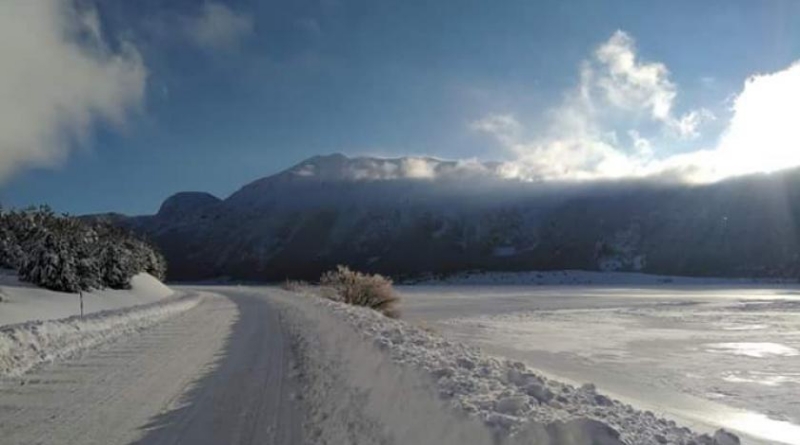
[68,254]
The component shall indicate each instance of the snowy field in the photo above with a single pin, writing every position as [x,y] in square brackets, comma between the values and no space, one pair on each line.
[261,365]
[709,355]
[39,326]
[21,302]
[517,404]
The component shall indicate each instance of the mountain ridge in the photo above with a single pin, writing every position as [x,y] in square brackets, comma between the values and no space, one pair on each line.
[417,215]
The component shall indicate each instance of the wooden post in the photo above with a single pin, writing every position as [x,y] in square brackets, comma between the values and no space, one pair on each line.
[81,294]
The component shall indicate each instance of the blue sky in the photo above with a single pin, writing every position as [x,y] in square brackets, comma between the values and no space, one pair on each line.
[216,94]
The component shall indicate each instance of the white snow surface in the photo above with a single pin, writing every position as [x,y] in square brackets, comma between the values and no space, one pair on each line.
[250,365]
[26,345]
[353,393]
[585,277]
[515,401]
[131,389]
[21,302]
[706,356]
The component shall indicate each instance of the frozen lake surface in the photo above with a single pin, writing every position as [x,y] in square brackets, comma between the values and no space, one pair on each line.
[708,355]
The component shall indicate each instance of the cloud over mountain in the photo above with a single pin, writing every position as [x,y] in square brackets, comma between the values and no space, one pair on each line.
[620,121]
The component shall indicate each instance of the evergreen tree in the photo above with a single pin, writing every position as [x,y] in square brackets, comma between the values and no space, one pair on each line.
[68,254]
[51,265]
[116,266]
[10,252]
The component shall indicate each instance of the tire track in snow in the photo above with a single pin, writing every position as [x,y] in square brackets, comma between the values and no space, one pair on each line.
[105,395]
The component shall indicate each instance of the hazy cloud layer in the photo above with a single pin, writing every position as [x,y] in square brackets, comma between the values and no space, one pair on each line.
[58,78]
[385,169]
[598,131]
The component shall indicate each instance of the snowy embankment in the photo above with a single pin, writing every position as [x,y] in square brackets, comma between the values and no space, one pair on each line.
[557,277]
[518,404]
[38,326]
[21,302]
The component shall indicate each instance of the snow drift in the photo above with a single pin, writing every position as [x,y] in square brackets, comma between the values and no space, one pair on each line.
[23,302]
[26,345]
[515,402]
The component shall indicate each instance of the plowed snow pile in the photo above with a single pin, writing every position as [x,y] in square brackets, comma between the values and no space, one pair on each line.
[38,325]
[512,399]
[25,345]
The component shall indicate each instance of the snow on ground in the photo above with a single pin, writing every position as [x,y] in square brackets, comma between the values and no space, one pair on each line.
[709,356]
[39,325]
[139,389]
[580,277]
[353,393]
[21,302]
[512,399]
[26,345]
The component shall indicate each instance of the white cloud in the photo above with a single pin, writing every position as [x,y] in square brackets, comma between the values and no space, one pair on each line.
[417,168]
[643,147]
[504,127]
[581,142]
[217,27]
[688,125]
[58,78]
[764,132]
[630,84]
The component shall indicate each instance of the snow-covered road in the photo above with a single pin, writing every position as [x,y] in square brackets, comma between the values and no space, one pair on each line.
[215,374]
[245,366]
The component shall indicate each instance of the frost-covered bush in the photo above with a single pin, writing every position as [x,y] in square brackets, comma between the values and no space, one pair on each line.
[360,289]
[294,285]
[68,254]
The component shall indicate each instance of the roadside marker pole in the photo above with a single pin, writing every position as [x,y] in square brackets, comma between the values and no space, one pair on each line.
[81,294]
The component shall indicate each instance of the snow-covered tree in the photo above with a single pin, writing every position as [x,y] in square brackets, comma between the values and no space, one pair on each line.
[116,266]
[69,254]
[10,252]
[51,264]
[155,264]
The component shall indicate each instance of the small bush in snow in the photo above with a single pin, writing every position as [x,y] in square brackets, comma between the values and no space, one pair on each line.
[294,285]
[359,289]
[329,293]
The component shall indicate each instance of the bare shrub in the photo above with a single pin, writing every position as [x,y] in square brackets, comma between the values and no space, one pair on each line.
[360,289]
[329,293]
[294,286]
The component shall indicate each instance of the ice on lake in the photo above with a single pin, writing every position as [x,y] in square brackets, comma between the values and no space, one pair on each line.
[709,355]
[757,350]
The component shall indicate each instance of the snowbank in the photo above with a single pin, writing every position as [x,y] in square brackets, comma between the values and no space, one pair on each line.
[353,393]
[23,302]
[513,399]
[550,278]
[25,345]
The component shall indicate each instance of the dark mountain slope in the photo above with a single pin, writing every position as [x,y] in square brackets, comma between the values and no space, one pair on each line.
[411,216]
